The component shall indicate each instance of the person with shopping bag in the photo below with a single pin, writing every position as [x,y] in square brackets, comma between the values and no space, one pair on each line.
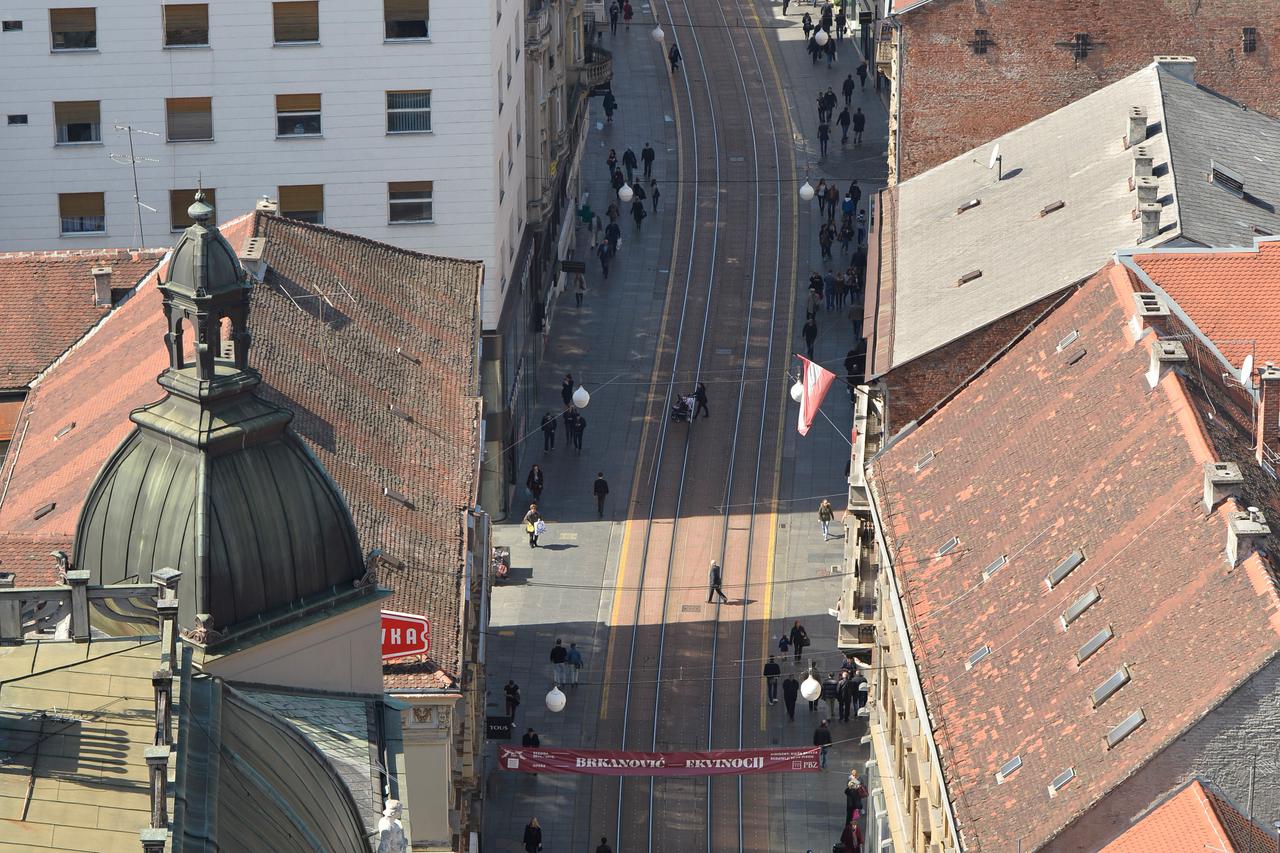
[534,525]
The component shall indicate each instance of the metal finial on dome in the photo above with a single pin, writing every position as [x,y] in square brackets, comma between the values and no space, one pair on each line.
[200,211]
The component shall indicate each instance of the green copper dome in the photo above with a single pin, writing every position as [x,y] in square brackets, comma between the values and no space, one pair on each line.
[212,481]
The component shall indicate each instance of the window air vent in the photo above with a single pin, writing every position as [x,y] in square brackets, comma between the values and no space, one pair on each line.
[1226,178]
[1095,642]
[1257,229]
[994,566]
[1079,606]
[1060,781]
[41,512]
[1066,567]
[977,657]
[1052,208]
[1150,304]
[968,205]
[66,429]
[923,461]
[397,412]
[947,547]
[408,356]
[397,497]
[1008,769]
[1126,728]
[18,118]
[1107,689]
[12,26]
[968,277]
[1068,340]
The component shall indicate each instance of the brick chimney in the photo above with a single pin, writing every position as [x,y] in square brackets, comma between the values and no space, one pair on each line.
[1182,67]
[1164,355]
[1150,216]
[1137,127]
[1267,429]
[1222,480]
[1244,531]
[101,286]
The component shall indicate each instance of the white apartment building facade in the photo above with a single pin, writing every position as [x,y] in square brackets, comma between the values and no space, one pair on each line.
[398,120]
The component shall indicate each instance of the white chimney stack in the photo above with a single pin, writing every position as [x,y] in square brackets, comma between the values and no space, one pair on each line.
[101,286]
[1244,531]
[1148,189]
[267,205]
[1150,216]
[1164,355]
[1222,480]
[1182,67]
[1142,162]
[1137,127]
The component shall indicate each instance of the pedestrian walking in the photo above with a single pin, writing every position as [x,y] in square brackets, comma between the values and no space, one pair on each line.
[512,694]
[715,579]
[629,163]
[532,520]
[613,162]
[851,838]
[862,74]
[859,122]
[825,515]
[531,739]
[820,193]
[831,101]
[614,12]
[790,690]
[842,21]
[857,682]
[602,252]
[846,237]
[548,432]
[810,333]
[785,4]
[569,417]
[559,654]
[846,88]
[852,797]
[647,156]
[830,689]
[844,696]
[816,676]
[674,56]
[830,49]
[772,674]
[806,23]
[843,120]
[700,396]
[627,13]
[534,482]
[822,738]
[574,663]
[566,390]
[813,304]
[654,194]
[613,237]
[618,180]
[842,286]
[637,211]
[610,104]
[784,644]
[833,201]
[848,208]
[533,836]
[855,193]
[799,639]
[824,134]
[579,288]
[604,846]
[822,106]
[826,235]
[600,488]
[579,429]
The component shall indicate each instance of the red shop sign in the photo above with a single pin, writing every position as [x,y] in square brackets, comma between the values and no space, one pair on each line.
[603,762]
[404,634]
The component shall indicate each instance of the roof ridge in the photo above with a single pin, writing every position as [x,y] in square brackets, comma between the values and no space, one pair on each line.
[347,236]
[80,254]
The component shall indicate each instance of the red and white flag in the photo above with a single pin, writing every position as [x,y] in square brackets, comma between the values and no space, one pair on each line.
[814,382]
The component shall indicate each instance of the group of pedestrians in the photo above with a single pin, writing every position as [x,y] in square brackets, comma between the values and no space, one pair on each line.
[606,233]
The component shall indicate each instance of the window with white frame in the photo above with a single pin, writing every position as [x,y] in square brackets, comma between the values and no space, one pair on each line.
[502,181]
[409,111]
[410,201]
[405,19]
[74,29]
[181,200]
[82,213]
[78,122]
[297,115]
[304,202]
[189,119]
[186,25]
[296,22]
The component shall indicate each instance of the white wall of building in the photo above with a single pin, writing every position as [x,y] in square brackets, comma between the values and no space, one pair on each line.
[465,64]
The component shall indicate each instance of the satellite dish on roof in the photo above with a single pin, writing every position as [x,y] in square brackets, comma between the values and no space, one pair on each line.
[1246,372]
[995,161]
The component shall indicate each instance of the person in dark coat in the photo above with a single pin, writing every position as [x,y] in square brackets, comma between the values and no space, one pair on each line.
[852,800]
[613,162]
[859,122]
[862,73]
[566,390]
[614,12]
[824,134]
[822,738]
[535,482]
[806,23]
[790,690]
[846,88]
[772,674]
[637,211]
[512,695]
[715,578]
[810,334]
[629,163]
[647,156]
[627,13]
[610,104]
[674,56]
[843,120]
[531,739]
[604,846]
[845,696]
[533,836]
[579,429]
[548,431]
[830,687]
[799,639]
[617,180]
[700,395]
[600,488]
[602,252]
[654,195]
[851,838]
[612,233]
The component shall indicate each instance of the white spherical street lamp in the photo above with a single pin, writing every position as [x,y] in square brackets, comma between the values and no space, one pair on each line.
[658,34]
[625,193]
[806,191]
[797,391]
[811,689]
[581,398]
[556,700]
[821,38]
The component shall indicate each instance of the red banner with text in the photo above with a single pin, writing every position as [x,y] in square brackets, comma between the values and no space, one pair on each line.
[603,762]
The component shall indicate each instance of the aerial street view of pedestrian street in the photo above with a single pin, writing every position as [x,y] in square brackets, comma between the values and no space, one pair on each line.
[930,351]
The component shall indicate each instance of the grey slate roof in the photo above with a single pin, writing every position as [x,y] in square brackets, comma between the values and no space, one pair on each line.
[1204,126]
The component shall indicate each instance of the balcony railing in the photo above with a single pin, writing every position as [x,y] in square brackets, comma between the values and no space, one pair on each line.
[598,68]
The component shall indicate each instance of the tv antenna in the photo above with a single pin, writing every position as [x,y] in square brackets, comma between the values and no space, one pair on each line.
[996,161]
[132,161]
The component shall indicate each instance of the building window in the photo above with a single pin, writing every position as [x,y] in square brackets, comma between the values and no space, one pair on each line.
[82,213]
[409,112]
[186,25]
[189,119]
[12,26]
[77,122]
[296,23]
[297,115]
[180,200]
[502,181]
[304,202]
[74,29]
[405,19]
[981,42]
[1250,39]
[18,118]
[410,201]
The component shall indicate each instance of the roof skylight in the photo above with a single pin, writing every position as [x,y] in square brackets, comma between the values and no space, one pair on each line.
[1060,781]
[1008,769]
[923,461]
[398,497]
[948,546]
[1107,689]
[1095,642]
[1068,340]
[1053,207]
[994,566]
[66,429]
[1079,606]
[976,657]
[1127,727]
[41,512]
[1066,567]
[968,277]
[968,205]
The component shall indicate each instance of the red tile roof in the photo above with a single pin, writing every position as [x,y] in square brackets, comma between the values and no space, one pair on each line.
[30,558]
[1194,819]
[326,324]
[1036,458]
[1230,294]
[48,304]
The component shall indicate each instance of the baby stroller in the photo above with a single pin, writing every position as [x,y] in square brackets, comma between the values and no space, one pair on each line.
[682,411]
